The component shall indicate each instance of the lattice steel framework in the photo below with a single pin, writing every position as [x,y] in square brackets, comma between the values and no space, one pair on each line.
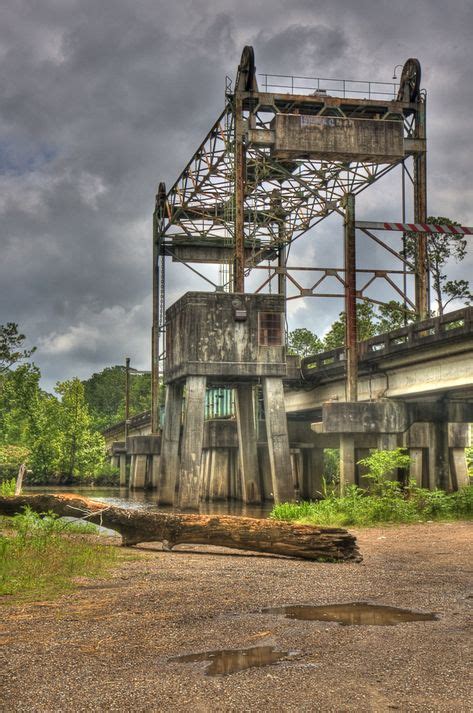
[240,202]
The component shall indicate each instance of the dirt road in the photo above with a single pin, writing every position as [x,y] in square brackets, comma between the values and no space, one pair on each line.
[107,646]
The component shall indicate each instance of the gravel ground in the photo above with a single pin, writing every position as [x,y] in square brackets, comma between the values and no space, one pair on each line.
[107,646]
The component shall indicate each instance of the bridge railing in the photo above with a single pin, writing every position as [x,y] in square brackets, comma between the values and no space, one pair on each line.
[452,325]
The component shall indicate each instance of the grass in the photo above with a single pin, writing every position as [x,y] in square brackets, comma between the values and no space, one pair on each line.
[391,504]
[7,487]
[40,556]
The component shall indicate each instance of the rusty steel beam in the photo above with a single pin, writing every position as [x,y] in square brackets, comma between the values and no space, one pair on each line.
[420,216]
[239,261]
[351,345]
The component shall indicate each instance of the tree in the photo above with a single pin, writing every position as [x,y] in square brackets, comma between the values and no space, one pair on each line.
[441,248]
[12,350]
[105,395]
[80,450]
[303,342]
[366,326]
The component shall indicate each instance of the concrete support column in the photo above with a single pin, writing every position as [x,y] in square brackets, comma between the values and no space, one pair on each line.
[138,471]
[169,461]
[416,468]
[314,472]
[347,461]
[234,474]
[115,461]
[219,489]
[265,473]
[439,467]
[154,471]
[122,466]
[458,468]
[247,443]
[278,440]
[192,438]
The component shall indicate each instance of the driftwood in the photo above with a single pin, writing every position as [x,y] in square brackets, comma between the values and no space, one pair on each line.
[19,479]
[241,533]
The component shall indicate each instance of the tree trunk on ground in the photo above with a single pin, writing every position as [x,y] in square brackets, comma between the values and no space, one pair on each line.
[241,533]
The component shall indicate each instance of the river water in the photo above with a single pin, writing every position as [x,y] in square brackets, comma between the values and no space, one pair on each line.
[146,500]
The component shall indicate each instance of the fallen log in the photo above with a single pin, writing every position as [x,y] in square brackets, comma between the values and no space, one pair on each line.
[241,533]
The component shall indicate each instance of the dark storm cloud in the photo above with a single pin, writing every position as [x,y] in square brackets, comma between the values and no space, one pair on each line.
[102,100]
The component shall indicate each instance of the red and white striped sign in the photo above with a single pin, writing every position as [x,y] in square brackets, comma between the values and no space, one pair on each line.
[417,227]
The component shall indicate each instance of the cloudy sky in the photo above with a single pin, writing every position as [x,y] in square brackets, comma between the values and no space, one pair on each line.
[101,100]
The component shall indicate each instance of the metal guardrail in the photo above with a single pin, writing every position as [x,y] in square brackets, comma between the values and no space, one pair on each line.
[292,84]
[419,334]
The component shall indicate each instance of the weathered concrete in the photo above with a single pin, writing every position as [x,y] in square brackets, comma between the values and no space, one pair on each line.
[458,468]
[314,472]
[337,138]
[246,425]
[219,475]
[138,471]
[192,440]
[122,470]
[217,334]
[278,441]
[347,461]
[169,462]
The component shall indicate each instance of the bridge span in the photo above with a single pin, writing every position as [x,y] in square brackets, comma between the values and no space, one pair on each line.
[415,391]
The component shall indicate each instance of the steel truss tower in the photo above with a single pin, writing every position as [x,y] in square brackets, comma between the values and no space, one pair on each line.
[278,160]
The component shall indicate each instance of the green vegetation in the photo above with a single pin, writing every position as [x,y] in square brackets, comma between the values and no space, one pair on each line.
[385,501]
[53,434]
[40,555]
[441,248]
[7,488]
[105,395]
[371,321]
[358,507]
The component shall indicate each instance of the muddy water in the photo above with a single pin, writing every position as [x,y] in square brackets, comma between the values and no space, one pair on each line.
[223,662]
[357,613]
[146,500]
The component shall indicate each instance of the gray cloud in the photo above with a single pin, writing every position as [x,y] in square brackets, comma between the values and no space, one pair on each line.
[102,100]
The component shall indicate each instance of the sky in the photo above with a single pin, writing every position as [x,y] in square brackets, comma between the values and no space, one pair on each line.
[100,101]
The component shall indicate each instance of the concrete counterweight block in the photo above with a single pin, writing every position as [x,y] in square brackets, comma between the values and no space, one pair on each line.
[192,440]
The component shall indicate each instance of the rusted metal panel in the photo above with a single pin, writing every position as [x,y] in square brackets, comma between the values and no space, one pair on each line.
[337,138]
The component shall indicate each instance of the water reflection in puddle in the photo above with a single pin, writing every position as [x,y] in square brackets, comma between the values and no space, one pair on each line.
[223,662]
[356,613]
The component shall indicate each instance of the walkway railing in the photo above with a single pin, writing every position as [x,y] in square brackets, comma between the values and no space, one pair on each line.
[293,84]
[419,334]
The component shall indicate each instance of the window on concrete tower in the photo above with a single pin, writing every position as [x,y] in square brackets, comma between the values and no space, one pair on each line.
[270,329]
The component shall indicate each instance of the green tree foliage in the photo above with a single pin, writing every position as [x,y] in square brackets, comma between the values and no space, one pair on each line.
[12,348]
[105,395]
[441,248]
[371,321]
[80,450]
[303,342]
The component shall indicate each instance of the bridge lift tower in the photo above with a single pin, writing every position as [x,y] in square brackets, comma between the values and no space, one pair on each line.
[280,158]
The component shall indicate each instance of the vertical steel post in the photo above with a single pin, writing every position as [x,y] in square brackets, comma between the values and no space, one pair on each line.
[420,213]
[239,263]
[127,396]
[350,300]
[155,335]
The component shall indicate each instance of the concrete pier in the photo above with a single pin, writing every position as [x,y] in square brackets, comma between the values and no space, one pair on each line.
[278,440]
[247,443]
[192,440]
[170,463]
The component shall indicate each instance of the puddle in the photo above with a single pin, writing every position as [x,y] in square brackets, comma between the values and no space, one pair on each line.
[223,662]
[357,613]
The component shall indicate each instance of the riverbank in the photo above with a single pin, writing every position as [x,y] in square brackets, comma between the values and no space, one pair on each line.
[108,645]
